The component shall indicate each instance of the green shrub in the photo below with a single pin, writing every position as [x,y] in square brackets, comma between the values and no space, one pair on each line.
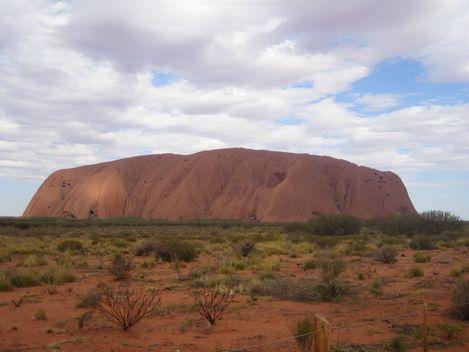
[146,248]
[398,344]
[414,272]
[34,260]
[455,272]
[437,221]
[420,257]
[5,284]
[172,250]
[148,263]
[70,245]
[303,333]
[331,286]
[461,301]
[401,224]
[357,247]
[336,224]
[386,255]
[24,279]
[309,264]
[58,276]
[422,242]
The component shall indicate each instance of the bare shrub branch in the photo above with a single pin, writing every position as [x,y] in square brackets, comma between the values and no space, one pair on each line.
[17,303]
[211,303]
[126,306]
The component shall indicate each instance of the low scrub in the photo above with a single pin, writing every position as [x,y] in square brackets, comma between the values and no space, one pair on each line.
[303,334]
[173,250]
[297,290]
[461,301]
[121,267]
[386,255]
[420,257]
[244,247]
[331,285]
[414,272]
[91,298]
[336,224]
[146,248]
[70,245]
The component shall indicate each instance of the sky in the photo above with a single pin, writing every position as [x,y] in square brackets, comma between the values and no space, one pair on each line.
[381,84]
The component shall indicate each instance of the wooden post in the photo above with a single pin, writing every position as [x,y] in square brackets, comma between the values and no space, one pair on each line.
[321,334]
[425,328]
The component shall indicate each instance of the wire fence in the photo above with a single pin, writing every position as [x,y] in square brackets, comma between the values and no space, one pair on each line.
[289,343]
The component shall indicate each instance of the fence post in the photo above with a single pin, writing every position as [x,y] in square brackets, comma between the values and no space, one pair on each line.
[321,334]
[425,328]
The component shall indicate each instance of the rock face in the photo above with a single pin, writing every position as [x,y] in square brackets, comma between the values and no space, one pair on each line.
[221,184]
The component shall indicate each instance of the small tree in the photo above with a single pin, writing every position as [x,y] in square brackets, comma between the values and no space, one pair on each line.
[126,306]
[211,304]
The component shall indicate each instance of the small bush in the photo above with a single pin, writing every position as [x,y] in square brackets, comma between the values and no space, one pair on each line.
[309,264]
[422,242]
[57,276]
[91,298]
[148,263]
[336,224]
[331,285]
[34,260]
[172,250]
[126,306]
[303,333]
[420,257]
[455,272]
[146,248]
[40,314]
[461,301]
[24,279]
[297,290]
[121,266]
[386,255]
[70,245]
[244,248]
[398,344]
[211,304]
[414,272]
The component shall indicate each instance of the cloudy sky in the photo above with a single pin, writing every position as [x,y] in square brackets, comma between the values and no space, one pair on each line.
[380,83]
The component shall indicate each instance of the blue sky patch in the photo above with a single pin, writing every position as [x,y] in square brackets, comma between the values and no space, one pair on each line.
[163,78]
[406,79]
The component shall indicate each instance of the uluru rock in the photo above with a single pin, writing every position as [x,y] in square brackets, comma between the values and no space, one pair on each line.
[222,184]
